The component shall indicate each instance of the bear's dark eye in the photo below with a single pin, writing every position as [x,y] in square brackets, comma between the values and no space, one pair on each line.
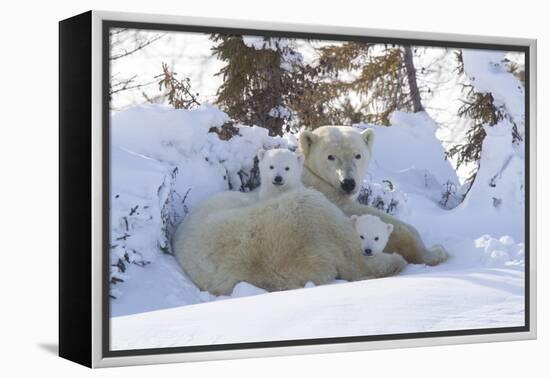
[376,238]
[330,157]
[358,156]
[271,167]
[361,236]
[287,169]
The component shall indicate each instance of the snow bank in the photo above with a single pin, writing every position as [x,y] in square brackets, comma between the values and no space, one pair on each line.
[163,162]
[408,155]
[384,196]
[499,183]
[164,133]
[497,195]
[409,303]
[410,144]
[489,74]
[140,187]
[503,251]
[181,137]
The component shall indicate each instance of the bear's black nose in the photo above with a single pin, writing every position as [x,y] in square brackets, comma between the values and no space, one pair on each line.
[368,252]
[278,178]
[348,185]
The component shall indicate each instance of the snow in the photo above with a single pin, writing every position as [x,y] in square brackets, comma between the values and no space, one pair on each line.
[407,129]
[136,207]
[134,130]
[501,251]
[408,303]
[282,45]
[485,70]
[263,43]
[498,191]
[280,112]
[488,74]
[409,155]
[244,289]
[436,70]
[165,161]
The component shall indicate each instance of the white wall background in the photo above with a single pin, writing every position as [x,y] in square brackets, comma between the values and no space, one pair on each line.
[28,262]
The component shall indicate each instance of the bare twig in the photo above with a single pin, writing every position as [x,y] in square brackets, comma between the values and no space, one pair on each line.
[139,46]
[127,84]
[178,92]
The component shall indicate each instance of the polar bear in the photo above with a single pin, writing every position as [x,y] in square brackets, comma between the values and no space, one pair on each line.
[280,171]
[277,244]
[335,163]
[373,233]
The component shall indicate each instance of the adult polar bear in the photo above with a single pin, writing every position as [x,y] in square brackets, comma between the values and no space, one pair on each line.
[335,165]
[301,236]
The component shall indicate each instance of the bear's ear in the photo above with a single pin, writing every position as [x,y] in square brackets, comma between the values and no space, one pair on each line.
[390,228]
[354,219]
[368,137]
[300,158]
[261,153]
[307,138]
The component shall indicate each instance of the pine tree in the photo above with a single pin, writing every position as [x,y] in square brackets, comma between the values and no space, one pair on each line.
[311,98]
[256,81]
[386,78]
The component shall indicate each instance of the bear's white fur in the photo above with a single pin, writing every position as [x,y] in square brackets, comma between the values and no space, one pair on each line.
[280,171]
[277,244]
[336,159]
[373,233]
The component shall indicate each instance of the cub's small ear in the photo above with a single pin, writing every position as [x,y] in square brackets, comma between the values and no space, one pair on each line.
[354,219]
[368,137]
[300,158]
[307,139]
[390,228]
[261,153]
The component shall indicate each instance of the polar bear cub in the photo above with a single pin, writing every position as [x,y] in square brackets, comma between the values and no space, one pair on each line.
[280,171]
[373,232]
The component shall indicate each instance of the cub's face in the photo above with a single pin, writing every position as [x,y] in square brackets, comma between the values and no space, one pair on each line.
[373,232]
[339,155]
[281,168]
